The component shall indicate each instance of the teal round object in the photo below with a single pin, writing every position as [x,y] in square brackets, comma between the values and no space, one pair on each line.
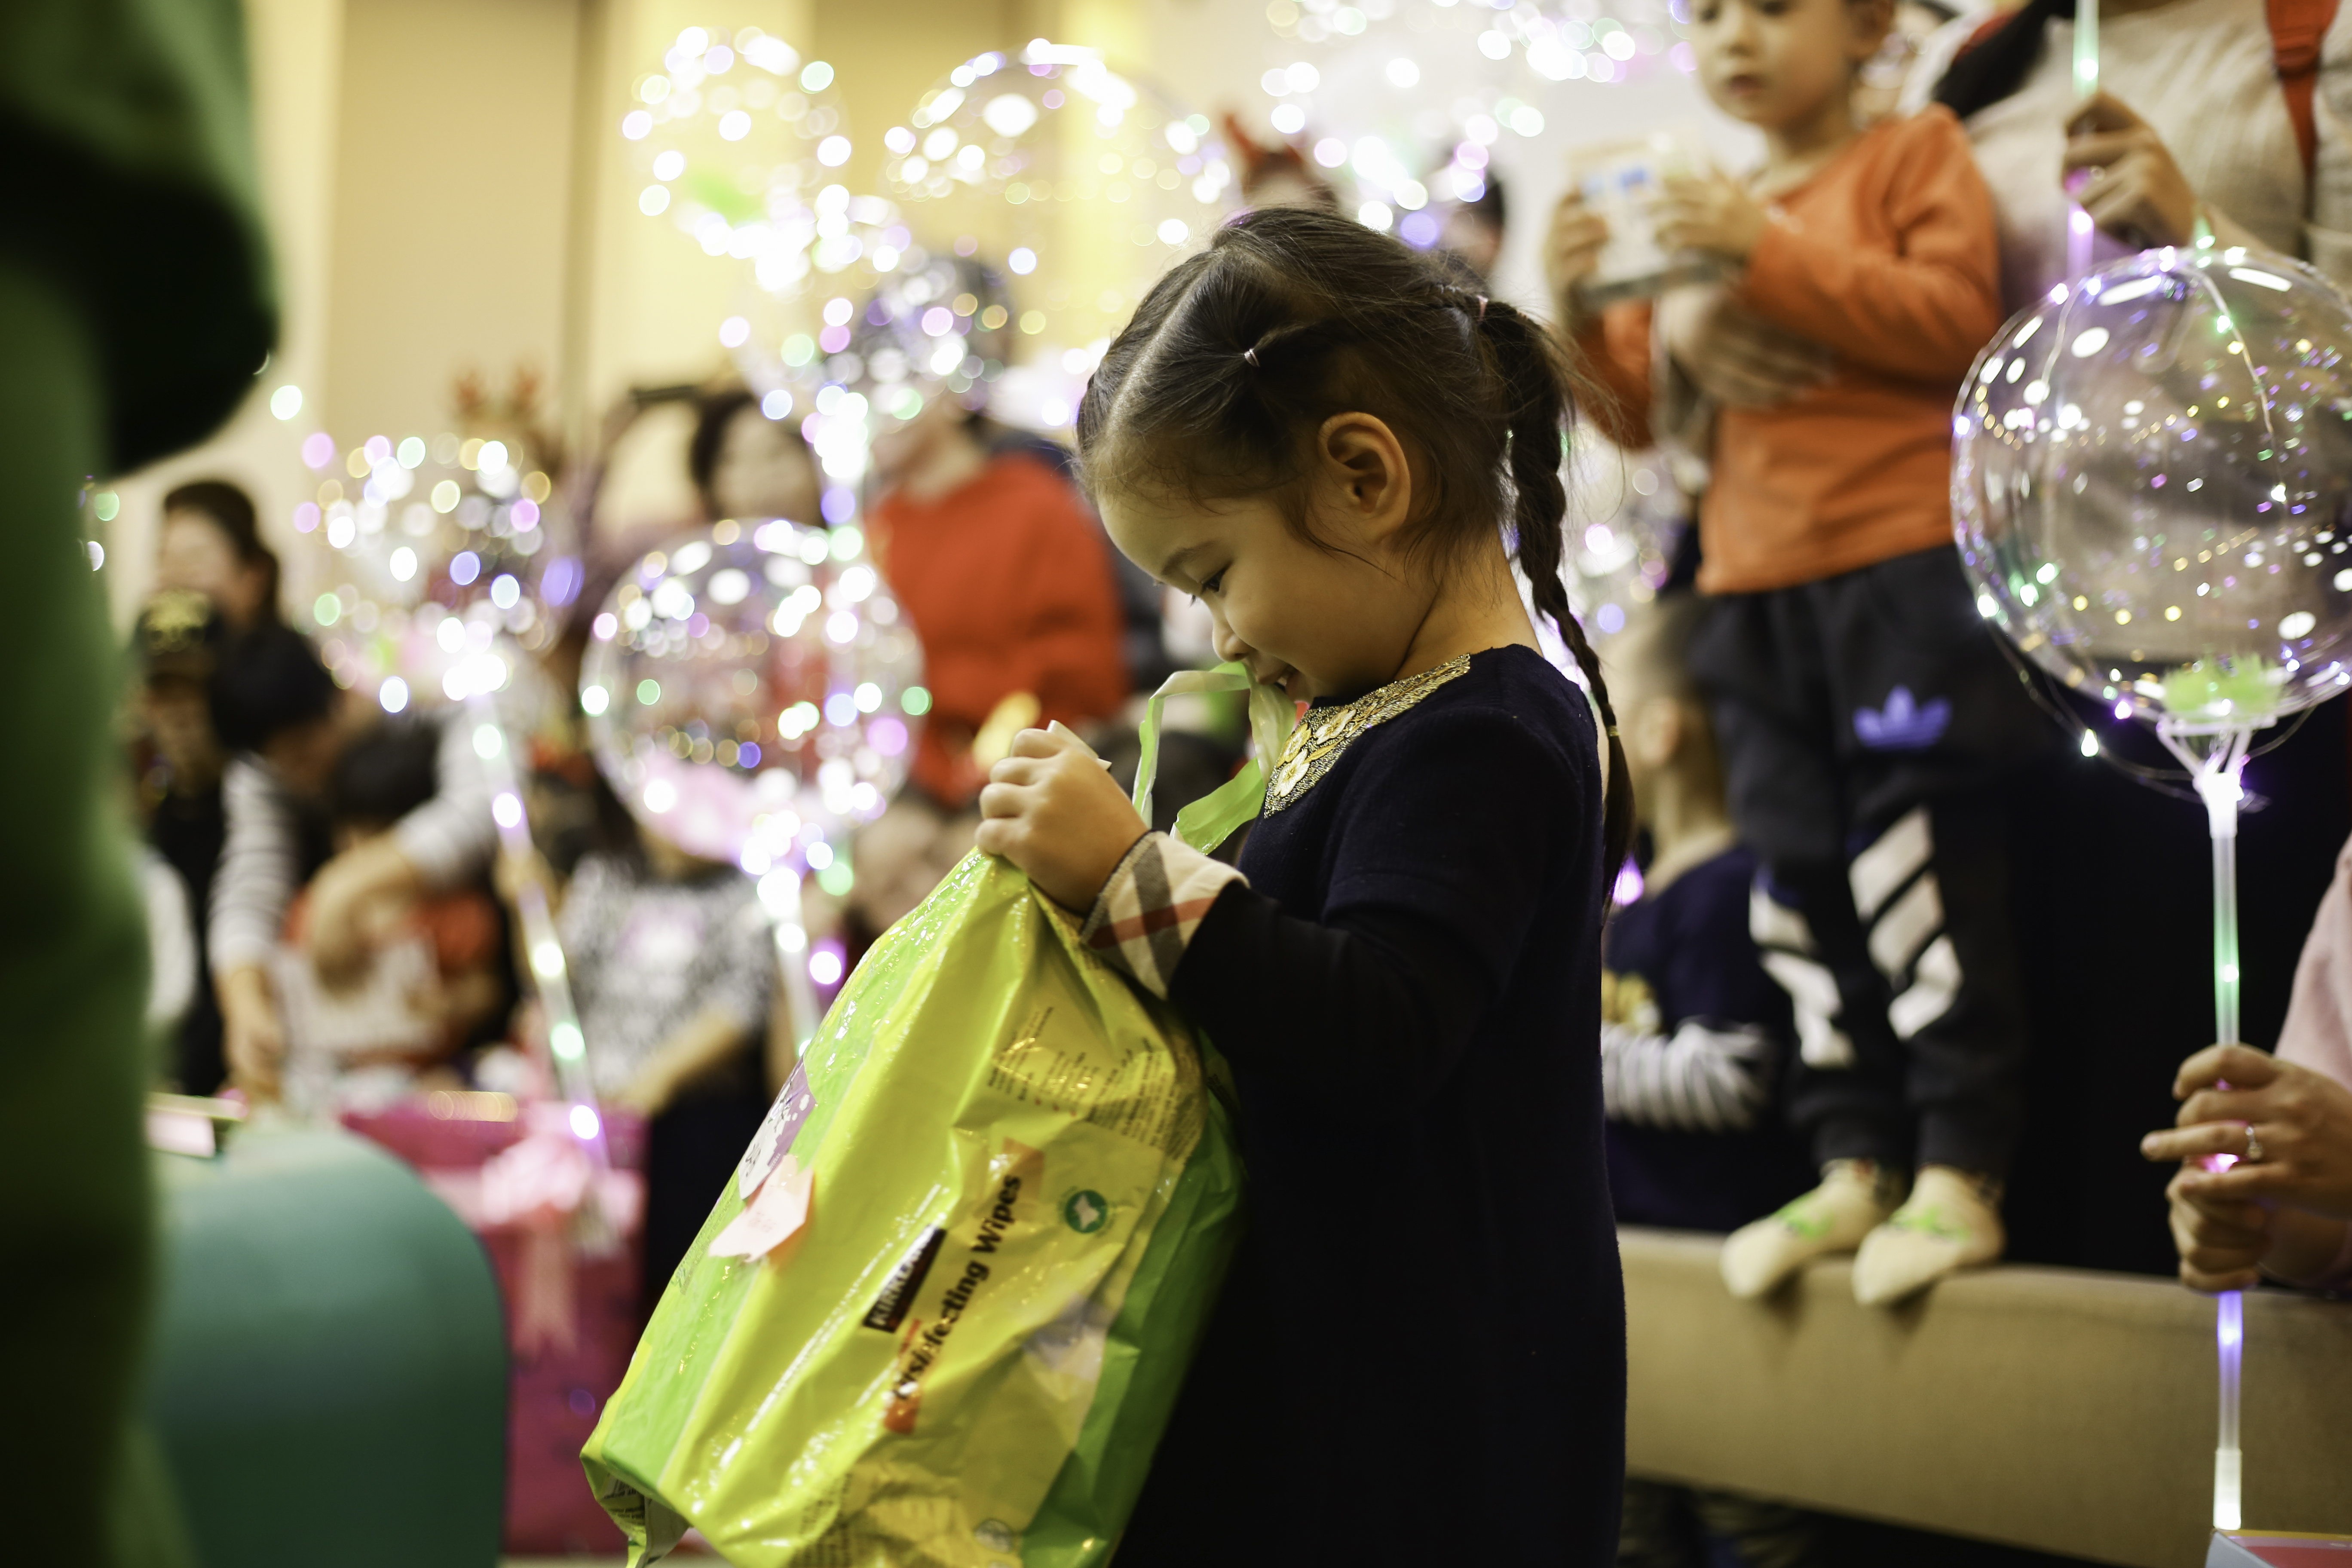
[328,1378]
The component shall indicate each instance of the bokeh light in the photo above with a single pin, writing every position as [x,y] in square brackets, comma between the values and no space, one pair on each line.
[1404,102]
[739,134]
[847,246]
[441,551]
[1555,43]
[1080,172]
[1627,519]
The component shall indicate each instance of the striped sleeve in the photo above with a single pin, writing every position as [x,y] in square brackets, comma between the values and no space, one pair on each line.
[452,836]
[1145,916]
[1698,1079]
[259,865]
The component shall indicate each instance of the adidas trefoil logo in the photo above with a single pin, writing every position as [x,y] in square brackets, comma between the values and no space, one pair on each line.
[1903,724]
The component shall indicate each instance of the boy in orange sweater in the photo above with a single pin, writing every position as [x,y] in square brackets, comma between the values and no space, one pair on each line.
[1865,716]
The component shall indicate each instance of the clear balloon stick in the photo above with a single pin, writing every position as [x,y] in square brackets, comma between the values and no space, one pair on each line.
[779,892]
[2219,785]
[2086,83]
[543,948]
[2221,792]
[2229,1341]
[2086,48]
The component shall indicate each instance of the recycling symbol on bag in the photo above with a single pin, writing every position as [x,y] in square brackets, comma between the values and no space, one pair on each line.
[1085,1212]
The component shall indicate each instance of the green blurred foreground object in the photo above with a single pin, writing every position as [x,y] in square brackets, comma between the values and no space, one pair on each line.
[993,1207]
[75,1210]
[328,1376]
[118,119]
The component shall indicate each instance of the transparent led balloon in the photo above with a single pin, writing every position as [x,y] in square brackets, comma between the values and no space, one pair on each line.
[446,565]
[753,692]
[735,136]
[1067,170]
[1402,126]
[1554,43]
[1403,104]
[2151,476]
[742,140]
[831,382]
[1407,109]
[445,561]
[935,331]
[803,314]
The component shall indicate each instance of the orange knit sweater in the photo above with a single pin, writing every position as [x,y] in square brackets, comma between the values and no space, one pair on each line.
[1009,585]
[1886,257]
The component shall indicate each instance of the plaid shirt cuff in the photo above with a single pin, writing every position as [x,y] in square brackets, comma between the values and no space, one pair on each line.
[1145,915]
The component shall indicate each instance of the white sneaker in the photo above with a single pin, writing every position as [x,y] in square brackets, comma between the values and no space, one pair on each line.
[1952,1220]
[1854,1196]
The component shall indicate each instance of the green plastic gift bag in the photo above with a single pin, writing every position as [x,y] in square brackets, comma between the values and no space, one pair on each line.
[942,1315]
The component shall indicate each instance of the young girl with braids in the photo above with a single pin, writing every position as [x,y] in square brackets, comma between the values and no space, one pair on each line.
[1420,1354]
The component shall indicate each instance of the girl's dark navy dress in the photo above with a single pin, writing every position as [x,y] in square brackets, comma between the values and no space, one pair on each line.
[1420,1357]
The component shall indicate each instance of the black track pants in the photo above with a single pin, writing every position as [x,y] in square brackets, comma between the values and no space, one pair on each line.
[1871,732]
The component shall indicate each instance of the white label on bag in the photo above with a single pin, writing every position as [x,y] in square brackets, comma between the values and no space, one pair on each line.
[777,1210]
[777,1131]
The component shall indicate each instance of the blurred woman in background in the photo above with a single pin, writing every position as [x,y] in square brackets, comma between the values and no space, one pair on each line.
[744,463]
[210,542]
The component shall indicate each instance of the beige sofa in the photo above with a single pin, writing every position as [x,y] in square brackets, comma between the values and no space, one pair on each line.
[2060,1409]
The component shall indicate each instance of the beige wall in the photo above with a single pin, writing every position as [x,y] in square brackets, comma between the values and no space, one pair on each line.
[294,48]
[452,193]
[653,301]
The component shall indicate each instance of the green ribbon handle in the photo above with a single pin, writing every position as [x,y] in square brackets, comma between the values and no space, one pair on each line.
[1219,814]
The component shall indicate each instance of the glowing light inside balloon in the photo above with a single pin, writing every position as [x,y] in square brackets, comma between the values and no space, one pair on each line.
[1053,133]
[740,136]
[441,546]
[2152,472]
[763,669]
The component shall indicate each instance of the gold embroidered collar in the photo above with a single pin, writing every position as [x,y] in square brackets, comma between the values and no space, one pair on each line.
[1326,732]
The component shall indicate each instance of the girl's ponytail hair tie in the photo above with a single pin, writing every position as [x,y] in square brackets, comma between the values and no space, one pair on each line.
[1454,297]
[1250,354]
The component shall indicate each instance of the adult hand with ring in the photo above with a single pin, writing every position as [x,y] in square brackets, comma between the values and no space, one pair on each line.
[2284,1204]
[2301,1155]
